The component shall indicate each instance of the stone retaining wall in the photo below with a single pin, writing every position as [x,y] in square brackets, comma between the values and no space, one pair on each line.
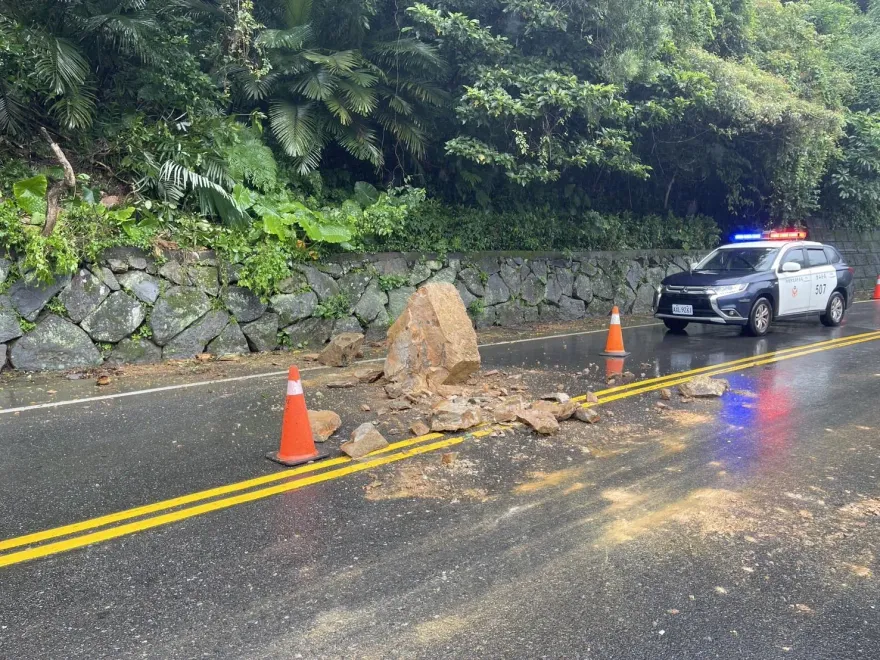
[131,308]
[860,249]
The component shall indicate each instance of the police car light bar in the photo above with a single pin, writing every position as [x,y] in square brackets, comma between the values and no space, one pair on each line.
[773,235]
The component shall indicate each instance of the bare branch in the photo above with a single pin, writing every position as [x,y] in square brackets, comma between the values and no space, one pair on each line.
[53,197]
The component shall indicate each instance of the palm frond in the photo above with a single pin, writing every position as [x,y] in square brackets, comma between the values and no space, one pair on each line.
[359,140]
[409,53]
[12,110]
[407,131]
[75,110]
[297,12]
[175,180]
[251,88]
[294,38]
[336,62]
[127,33]
[362,77]
[360,99]
[425,92]
[60,65]
[337,109]
[200,8]
[296,127]
[318,84]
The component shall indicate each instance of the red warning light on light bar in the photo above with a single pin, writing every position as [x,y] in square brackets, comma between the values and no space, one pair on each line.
[785,235]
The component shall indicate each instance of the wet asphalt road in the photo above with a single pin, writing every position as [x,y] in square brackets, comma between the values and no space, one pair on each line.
[722,529]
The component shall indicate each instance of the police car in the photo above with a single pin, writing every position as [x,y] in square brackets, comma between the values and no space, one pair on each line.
[759,278]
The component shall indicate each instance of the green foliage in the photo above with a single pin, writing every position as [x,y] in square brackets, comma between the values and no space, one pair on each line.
[440,228]
[26,326]
[477,308]
[530,124]
[853,187]
[143,332]
[390,282]
[334,307]
[56,307]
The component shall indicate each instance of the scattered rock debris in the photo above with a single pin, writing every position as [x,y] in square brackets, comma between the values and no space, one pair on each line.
[102,381]
[364,439]
[704,386]
[324,423]
[666,394]
[342,349]
[540,420]
[454,416]
[588,415]
[342,384]
[368,375]
[419,428]
[449,457]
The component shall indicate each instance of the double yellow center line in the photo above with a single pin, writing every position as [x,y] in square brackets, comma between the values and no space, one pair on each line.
[176,509]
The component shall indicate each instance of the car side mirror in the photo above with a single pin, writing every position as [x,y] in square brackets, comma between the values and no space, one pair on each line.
[790,267]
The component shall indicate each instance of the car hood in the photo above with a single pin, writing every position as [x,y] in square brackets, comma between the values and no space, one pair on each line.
[711,278]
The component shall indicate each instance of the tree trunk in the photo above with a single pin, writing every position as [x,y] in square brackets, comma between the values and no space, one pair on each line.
[668,190]
[53,197]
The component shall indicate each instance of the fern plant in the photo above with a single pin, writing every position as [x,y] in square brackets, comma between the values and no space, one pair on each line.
[52,51]
[381,92]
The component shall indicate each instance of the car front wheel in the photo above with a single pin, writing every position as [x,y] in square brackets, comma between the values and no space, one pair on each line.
[759,319]
[834,312]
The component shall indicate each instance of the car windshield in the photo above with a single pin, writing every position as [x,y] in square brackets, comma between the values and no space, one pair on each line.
[752,259]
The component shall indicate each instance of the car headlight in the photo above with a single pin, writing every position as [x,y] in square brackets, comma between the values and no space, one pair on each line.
[728,289]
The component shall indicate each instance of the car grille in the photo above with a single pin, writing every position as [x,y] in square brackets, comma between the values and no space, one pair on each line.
[700,303]
[687,290]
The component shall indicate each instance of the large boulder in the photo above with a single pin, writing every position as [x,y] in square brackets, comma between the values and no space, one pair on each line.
[29,297]
[2,356]
[193,340]
[85,293]
[433,341]
[54,344]
[115,318]
[176,310]
[135,351]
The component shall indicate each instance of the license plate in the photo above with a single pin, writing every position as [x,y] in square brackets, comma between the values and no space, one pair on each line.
[687,310]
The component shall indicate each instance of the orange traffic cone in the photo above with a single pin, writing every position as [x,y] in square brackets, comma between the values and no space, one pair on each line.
[877,289]
[297,443]
[614,345]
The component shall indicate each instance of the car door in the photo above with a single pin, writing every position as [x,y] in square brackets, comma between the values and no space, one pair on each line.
[794,288]
[824,278]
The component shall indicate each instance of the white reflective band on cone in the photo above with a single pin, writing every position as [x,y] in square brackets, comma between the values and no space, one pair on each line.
[294,387]
[615,319]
